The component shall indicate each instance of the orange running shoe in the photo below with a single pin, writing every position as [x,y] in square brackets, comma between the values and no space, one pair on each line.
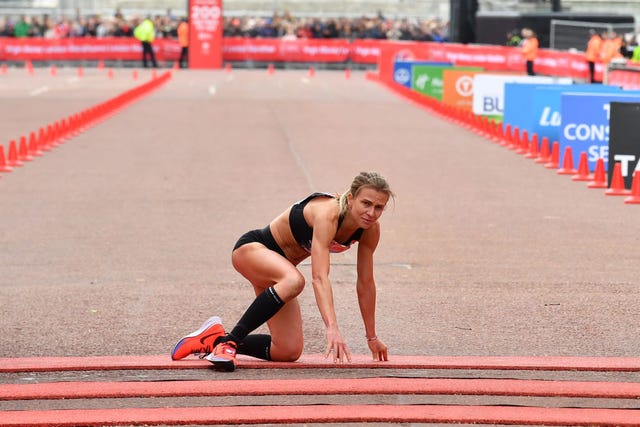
[224,356]
[200,341]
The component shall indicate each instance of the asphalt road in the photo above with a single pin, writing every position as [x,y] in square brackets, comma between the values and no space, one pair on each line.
[118,241]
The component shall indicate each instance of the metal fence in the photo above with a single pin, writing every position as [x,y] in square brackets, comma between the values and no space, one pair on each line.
[568,35]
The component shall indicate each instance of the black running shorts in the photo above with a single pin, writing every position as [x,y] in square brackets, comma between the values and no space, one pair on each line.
[263,236]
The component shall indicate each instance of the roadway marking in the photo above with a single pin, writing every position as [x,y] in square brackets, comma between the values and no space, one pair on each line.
[39,91]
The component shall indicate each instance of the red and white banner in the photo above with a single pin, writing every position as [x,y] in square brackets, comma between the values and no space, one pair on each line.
[205,34]
[277,50]
[491,58]
[382,52]
[79,49]
[233,49]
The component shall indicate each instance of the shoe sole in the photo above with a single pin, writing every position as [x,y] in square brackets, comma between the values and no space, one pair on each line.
[223,365]
[207,324]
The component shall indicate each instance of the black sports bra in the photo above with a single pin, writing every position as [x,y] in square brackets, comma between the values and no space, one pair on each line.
[303,233]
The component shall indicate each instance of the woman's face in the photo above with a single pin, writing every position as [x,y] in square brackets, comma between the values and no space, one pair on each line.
[367,206]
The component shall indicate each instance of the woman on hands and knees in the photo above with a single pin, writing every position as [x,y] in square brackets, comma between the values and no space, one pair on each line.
[314,227]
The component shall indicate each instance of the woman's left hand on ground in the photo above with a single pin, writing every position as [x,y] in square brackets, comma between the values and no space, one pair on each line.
[378,350]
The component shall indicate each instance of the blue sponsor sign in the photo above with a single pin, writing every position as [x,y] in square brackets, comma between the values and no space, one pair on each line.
[536,108]
[517,105]
[545,107]
[403,70]
[585,124]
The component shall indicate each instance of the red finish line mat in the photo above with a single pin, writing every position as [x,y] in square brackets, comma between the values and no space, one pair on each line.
[601,403]
[161,362]
[334,386]
[325,414]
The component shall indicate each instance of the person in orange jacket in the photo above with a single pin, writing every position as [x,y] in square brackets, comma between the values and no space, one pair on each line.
[592,54]
[610,51]
[529,49]
[183,40]
[611,48]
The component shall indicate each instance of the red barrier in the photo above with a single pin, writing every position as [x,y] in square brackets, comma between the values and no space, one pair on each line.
[382,52]
[234,49]
[626,79]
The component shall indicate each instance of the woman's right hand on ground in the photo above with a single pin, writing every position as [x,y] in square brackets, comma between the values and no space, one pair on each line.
[336,346]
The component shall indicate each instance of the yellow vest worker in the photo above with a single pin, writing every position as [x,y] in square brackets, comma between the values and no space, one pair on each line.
[145,32]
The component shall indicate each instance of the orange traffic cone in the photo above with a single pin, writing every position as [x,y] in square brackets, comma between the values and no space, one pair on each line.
[100,64]
[617,187]
[270,69]
[545,151]
[567,164]
[483,127]
[227,67]
[4,167]
[51,136]
[583,169]
[507,135]
[43,140]
[599,176]
[134,74]
[12,156]
[522,146]
[80,72]
[514,142]
[347,73]
[312,71]
[23,150]
[176,65]
[554,161]
[494,131]
[634,198]
[534,148]
[28,65]
[53,71]
[497,132]
[110,73]
[34,150]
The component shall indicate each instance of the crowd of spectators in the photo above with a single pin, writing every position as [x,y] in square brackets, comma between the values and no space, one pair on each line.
[364,27]
[282,25]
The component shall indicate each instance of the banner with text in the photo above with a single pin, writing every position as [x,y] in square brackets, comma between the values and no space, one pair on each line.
[458,87]
[585,124]
[623,139]
[488,90]
[536,108]
[205,34]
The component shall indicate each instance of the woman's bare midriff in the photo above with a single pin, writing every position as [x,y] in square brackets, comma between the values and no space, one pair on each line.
[281,231]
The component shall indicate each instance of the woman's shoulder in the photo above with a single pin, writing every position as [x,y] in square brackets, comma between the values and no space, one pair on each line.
[313,196]
[324,206]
